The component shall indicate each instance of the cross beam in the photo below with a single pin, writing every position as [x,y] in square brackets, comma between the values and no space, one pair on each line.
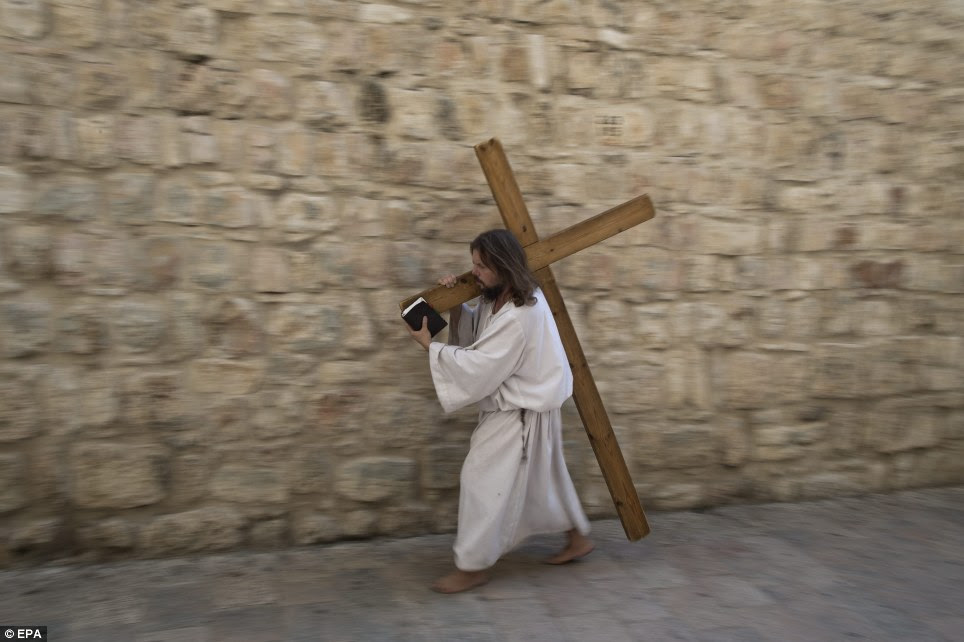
[541,254]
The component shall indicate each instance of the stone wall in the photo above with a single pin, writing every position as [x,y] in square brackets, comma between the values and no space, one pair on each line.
[209,210]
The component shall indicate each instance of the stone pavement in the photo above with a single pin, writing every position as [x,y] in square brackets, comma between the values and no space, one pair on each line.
[881,567]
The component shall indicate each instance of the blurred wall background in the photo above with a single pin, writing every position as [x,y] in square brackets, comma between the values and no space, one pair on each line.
[209,211]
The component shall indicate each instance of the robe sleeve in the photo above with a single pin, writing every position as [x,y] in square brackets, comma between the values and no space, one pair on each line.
[463,334]
[464,376]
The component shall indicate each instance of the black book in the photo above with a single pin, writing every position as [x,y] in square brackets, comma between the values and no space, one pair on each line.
[414,314]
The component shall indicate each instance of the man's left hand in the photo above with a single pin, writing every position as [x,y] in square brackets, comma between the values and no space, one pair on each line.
[422,337]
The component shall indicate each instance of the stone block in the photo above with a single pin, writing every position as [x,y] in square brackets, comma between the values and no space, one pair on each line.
[442,465]
[13,482]
[249,484]
[95,141]
[270,271]
[836,370]
[273,95]
[296,151]
[131,198]
[623,126]
[313,328]
[195,31]
[697,273]
[413,113]
[26,326]
[670,496]
[651,327]
[81,328]
[113,534]
[383,14]
[744,379]
[138,139]
[896,425]
[212,528]
[314,528]
[101,86]
[186,336]
[374,479]
[138,326]
[225,377]
[160,263]
[269,533]
[229,419]
[261,153]
[116,475]
[20,409]
[13,86]
[13,191]
[650,269]
[687,379]
[234,89]
[359,523]
[730,238]
[30,251]
[235,327]
[98,265]
[79,22]
[178,201]
[25,18]
[284,39]
[192,87]
[373,103]
[637,387]
[777,443]
[324,105]
[191,471]
[936,467]
[408,266]
[158,401]
[218,265]
[71,198]
[407,519]
[735,440]
[80,400]
[40,535]
[197,141]
[233,207]
[304,214]
[680,446]
[312,471]
[879,274]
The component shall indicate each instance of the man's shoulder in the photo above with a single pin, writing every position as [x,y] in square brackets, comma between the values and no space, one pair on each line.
[537,308]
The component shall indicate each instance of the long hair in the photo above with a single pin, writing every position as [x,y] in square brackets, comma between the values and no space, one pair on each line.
[502,253]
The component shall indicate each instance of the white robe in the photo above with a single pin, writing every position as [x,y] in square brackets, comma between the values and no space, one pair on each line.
[514,481]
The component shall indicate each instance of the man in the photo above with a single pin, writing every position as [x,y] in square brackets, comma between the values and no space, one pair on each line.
[506,356]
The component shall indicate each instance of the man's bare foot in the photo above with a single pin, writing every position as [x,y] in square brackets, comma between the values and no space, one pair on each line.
[460,581]
[579,546]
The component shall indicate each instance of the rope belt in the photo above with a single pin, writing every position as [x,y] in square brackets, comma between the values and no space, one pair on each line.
[525,434]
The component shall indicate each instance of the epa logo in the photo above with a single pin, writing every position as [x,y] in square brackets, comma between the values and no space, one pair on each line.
[25,633]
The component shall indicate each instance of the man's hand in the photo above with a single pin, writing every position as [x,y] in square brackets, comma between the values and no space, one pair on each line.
[449,280]
[422,337]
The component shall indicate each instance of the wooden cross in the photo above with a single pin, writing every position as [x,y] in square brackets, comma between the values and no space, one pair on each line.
[499,175]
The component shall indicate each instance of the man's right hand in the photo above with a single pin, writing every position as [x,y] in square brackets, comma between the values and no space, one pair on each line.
[448,280]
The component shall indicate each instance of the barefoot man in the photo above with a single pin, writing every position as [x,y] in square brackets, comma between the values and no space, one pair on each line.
[506,356]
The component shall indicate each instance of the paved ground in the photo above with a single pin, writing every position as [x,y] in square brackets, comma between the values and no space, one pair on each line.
[874,568]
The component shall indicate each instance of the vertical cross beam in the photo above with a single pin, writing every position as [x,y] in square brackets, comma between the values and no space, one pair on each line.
[515,215]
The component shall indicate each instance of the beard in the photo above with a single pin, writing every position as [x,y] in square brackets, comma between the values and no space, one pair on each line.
[491,293]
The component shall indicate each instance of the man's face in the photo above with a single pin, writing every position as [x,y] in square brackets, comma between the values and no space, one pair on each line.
[484,276]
